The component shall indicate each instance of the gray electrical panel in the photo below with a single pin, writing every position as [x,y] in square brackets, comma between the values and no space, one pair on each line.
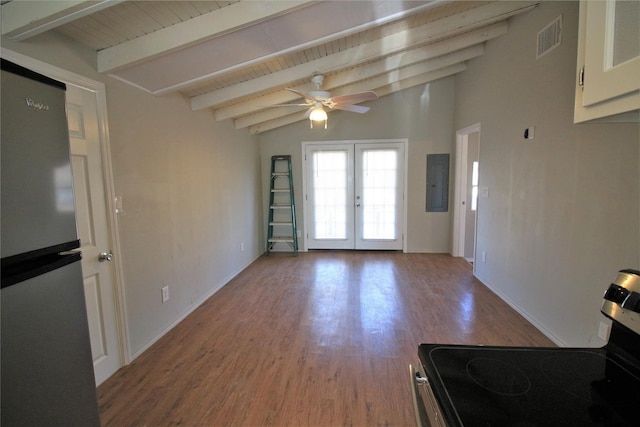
[437,183]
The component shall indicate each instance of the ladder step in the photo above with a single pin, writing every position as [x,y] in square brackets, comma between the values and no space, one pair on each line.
[282,211]
[283,239]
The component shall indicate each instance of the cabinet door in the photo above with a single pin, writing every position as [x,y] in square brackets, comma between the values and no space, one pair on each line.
[612,56]
[609,57]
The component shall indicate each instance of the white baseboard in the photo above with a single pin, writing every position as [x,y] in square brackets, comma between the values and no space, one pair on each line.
[531,319]
[192,308]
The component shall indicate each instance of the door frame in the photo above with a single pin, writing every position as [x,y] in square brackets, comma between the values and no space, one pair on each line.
[305,218]
[99,89]
[459,210]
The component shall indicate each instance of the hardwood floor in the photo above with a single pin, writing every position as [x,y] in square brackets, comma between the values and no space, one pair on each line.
[321,339]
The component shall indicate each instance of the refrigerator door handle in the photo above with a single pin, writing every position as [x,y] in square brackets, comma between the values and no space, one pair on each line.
[20,272]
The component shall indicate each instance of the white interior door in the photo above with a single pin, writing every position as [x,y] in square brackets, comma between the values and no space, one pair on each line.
[93,230]
[379,196]
[329,196]
[471,200]
[354,195]
[466,191]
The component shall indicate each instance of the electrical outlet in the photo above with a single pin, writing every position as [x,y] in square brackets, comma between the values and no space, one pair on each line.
[603,331]
[242,247]
[484,257]
[165,294]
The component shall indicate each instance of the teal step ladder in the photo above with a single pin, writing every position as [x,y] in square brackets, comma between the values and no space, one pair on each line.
[282,208]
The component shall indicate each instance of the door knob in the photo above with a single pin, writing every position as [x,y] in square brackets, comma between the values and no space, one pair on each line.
[105,256]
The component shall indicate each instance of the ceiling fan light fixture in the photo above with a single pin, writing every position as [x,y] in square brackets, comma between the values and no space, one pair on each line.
[316,100]
[318,115]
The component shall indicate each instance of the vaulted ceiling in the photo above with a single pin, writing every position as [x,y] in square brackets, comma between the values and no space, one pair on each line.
[238,57]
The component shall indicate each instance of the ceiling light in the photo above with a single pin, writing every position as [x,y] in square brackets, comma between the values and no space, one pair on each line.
[318,115]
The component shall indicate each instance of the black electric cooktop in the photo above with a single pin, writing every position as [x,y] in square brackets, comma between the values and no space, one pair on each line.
[507,386]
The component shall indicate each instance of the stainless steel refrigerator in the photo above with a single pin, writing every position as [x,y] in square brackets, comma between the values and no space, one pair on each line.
[46,367]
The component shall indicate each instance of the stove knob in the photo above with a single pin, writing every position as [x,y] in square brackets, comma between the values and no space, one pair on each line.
[632,302]
[616,294]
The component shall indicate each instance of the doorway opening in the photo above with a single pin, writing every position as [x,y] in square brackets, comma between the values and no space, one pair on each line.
[466,192]
[354,195]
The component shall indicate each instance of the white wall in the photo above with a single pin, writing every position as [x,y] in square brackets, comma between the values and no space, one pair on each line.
[423,115]
[563,210]
[191,194]
[190,190]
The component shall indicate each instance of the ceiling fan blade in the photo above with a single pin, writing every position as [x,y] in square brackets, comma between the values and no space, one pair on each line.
[355,97]
[353,108]
[304,95]
[288,105]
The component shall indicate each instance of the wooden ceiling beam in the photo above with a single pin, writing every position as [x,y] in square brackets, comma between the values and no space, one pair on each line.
[370,70]
[315,23]
[421,79]
[386,90]
[221,21]
[382,80]
[432,32]
[24,19]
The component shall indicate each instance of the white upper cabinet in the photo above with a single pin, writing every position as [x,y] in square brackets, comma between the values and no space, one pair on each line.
[608,81]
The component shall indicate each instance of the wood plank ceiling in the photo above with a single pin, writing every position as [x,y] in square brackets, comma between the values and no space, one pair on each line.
[237,57]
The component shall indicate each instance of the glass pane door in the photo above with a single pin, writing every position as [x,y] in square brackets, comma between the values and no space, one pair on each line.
[354,196]
[379,196]
[330,196]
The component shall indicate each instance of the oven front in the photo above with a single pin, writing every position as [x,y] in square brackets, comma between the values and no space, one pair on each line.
[425,406]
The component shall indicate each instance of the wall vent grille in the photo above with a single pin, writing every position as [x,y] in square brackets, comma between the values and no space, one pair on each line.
[549,37]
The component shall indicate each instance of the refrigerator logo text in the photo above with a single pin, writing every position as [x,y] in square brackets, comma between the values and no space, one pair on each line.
[38,106]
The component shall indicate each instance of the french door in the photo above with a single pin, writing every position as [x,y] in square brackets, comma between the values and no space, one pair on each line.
[354,195]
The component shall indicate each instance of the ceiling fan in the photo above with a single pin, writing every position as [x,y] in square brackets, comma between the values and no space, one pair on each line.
[318,99]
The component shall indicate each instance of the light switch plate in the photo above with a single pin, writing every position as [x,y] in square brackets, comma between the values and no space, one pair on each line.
[529,133]
[118,203]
